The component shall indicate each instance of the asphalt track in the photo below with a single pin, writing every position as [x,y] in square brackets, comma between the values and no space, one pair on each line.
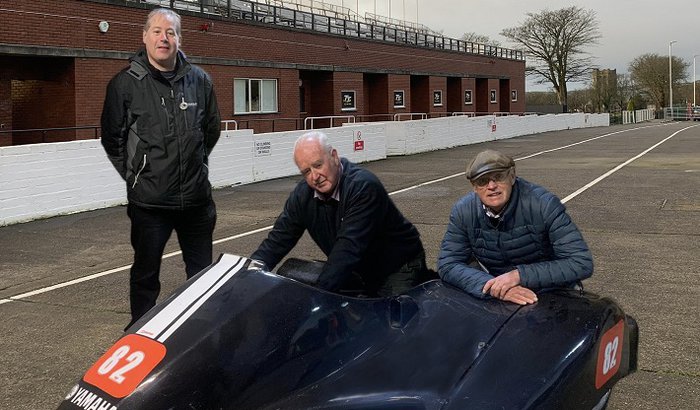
[634,191]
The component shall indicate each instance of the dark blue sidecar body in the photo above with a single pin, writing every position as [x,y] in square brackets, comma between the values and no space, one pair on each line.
[239,337]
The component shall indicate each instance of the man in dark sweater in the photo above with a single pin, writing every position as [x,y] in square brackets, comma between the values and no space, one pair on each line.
[350,216]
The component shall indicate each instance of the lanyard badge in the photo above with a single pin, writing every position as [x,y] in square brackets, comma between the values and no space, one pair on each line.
[183,104]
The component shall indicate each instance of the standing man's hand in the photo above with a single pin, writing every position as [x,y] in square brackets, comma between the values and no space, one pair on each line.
[499,286]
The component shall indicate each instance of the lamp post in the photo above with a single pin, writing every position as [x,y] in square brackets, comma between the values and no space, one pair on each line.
[694,57]
[670,77]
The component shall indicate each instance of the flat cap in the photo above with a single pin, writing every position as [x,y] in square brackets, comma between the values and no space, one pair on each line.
[488,161]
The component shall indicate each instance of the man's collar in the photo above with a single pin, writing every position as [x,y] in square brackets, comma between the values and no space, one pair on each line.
[491,214]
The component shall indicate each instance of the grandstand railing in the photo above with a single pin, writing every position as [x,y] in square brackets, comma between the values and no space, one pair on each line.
[336,20]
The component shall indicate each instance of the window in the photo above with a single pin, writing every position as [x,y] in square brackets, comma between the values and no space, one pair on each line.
[514,95]
[493,96]
[254,96]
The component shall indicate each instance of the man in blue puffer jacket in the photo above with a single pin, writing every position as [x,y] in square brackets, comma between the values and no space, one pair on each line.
[517,232]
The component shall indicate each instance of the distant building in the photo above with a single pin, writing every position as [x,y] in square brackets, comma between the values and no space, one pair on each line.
[604,89]
[274,64]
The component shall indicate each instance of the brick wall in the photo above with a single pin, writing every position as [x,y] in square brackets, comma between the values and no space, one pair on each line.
[438,84]
[398,82]
[5,111]
[75,25]
[482,95]
[376,98]
[421,94]
[455,94]
[468,84]
[42,102]
[91,78]
[287,98]
[494,85]
[229,49]
[456,88]
[504,96]
[320,93]
[348,82]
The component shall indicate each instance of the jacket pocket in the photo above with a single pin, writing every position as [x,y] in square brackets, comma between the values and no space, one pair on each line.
[144,160]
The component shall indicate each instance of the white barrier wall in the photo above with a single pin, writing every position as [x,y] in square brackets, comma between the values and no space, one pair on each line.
[43,180]
[410,137]
[241,157]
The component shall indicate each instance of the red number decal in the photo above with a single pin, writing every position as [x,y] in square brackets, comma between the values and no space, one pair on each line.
[119,371]
[609,354]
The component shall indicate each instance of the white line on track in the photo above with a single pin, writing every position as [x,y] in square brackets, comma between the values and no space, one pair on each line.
[244,234]
[617,168]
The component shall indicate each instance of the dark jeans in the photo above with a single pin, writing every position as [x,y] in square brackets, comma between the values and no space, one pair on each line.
[150,231]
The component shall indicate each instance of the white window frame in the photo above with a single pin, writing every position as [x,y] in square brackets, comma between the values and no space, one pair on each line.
[274,108]
[514,95]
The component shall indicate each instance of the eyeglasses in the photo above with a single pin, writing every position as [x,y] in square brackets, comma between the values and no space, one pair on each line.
[496,177]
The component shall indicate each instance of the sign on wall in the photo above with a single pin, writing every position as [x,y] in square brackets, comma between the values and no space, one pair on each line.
[347,101]
[399,99]
[359,142]
[437,98]
[493,96]
[263,148]
[467,97]
[514,95]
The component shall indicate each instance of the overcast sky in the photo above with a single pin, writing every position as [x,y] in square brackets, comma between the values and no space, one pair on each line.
[629,28]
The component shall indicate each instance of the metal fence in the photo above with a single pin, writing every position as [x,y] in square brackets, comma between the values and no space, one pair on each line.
[341,22]
[56,134]
[680,114]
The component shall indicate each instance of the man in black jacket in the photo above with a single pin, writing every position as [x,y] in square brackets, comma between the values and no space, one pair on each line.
[160,122]
[350,216]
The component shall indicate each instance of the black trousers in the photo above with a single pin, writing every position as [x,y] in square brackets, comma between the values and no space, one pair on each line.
[150,231]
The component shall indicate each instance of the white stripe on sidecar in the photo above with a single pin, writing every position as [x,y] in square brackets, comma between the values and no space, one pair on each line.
[175,313]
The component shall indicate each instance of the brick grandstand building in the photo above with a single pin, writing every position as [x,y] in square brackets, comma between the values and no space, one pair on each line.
[274,64]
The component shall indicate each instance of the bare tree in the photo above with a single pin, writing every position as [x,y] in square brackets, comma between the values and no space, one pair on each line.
[626,91]
[473,37]
[650,73]
[554,43]
[581,100]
